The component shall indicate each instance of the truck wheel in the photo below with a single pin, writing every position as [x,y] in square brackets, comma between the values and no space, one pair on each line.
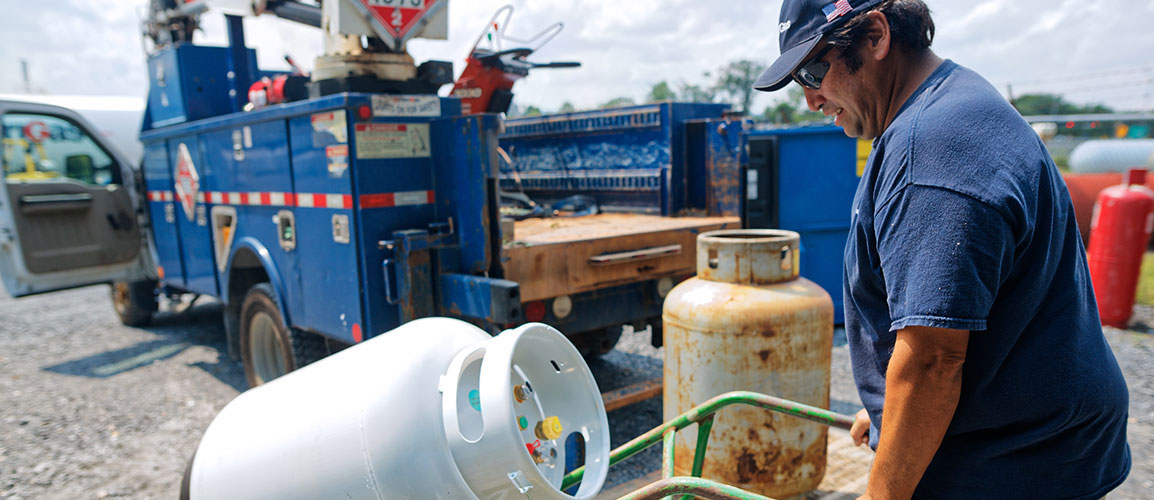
[134,301]
[608,340]
[268,347]
[594,344]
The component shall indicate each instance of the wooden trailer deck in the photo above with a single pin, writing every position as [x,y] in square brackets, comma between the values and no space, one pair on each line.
[567,255]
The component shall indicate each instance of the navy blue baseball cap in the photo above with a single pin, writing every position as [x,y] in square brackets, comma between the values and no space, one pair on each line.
[801,26]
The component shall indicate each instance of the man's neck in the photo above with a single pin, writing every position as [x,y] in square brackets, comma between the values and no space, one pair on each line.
[910,70]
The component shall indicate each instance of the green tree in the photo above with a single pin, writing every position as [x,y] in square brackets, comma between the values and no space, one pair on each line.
[618,102]
[567,107]
[735,80]
[694,93]
[1053,104]
[791,109]
[796,96]
[780,113]
[661,92]
[532,111]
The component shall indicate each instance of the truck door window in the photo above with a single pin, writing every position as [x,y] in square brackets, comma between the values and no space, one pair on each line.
[50,148]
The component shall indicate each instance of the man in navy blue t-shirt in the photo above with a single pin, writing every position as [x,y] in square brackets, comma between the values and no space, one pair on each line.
[973,331]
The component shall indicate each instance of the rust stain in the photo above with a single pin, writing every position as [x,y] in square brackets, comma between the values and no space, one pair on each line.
[747,467]
[789,323]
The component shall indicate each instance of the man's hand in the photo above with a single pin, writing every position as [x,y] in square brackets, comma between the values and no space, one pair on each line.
[861,428]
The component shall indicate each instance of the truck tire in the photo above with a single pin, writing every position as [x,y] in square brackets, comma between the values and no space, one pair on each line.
[593,344]
[268,347]
[134,301]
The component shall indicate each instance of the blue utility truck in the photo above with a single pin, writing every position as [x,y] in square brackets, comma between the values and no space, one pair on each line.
[360,202]
[325,210]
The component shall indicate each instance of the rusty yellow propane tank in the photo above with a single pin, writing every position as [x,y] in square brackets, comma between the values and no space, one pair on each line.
[748,322]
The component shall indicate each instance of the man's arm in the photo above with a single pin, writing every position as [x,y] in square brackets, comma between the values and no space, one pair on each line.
[923,383]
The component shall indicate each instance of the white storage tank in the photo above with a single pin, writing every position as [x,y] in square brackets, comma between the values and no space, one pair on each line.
[433,409]
[1112,155]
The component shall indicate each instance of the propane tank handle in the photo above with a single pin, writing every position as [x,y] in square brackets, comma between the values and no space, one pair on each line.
[460,403]
[1136,176]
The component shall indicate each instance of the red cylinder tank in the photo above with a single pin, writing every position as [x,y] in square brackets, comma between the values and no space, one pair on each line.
[1119,231]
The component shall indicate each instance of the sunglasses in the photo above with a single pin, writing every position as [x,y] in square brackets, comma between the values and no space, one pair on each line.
[811,73]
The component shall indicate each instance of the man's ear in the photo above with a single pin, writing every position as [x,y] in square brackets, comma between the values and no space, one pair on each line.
[877,38]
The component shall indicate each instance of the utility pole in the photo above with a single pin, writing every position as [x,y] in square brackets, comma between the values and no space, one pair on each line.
[27,82]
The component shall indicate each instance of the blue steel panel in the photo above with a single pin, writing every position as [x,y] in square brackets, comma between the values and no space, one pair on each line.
[496,301]
[195,84]
[817,180]
[681,112]
[263,167]
[449,107]
[330,299]
[279,111]
[195,235]
[464,162]
[821,262]
[819,165]
[158,179]
[165,90]
[631,158]
[379,178]
[717,156]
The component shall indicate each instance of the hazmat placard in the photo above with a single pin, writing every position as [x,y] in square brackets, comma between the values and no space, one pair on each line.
[187,184]
[391,140]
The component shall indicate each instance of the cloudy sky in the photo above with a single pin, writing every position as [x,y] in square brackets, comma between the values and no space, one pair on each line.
[1087,51]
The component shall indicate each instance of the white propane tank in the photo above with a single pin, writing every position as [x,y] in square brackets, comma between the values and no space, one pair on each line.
[433,409]
[1112,155]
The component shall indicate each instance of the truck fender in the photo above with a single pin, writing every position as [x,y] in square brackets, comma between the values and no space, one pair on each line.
[274,277]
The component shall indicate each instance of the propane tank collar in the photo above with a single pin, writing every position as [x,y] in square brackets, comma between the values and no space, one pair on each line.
[748,256]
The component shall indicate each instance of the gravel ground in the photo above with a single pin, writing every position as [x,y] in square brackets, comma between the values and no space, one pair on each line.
[93,409]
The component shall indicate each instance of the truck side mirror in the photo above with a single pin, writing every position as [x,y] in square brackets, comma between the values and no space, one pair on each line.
[80,167]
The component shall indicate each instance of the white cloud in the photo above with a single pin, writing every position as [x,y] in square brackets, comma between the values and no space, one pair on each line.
[1090,52]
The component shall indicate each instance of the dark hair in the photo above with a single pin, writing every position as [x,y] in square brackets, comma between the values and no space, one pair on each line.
[911,28]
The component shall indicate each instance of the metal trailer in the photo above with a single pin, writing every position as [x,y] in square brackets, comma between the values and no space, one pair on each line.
[644,168]
[689,158]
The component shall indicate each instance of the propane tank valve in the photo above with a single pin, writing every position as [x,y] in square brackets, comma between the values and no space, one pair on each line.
[549,429]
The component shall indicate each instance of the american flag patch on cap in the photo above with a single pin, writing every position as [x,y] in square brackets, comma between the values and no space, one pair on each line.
[836,10]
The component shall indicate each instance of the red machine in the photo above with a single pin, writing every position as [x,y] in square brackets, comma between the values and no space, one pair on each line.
[1119,231]
[486,85]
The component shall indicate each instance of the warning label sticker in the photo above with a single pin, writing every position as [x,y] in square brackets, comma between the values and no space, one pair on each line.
[406,105]
[329,128]
[338,159]
[392,140]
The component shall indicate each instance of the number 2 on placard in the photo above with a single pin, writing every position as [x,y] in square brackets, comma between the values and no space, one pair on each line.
[397,17]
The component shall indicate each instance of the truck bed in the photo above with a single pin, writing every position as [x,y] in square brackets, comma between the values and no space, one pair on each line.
[561,256]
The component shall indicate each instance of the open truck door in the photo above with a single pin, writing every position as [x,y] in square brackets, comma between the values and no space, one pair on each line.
[68,204]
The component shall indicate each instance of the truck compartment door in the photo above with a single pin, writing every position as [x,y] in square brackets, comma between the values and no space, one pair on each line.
[67,208]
